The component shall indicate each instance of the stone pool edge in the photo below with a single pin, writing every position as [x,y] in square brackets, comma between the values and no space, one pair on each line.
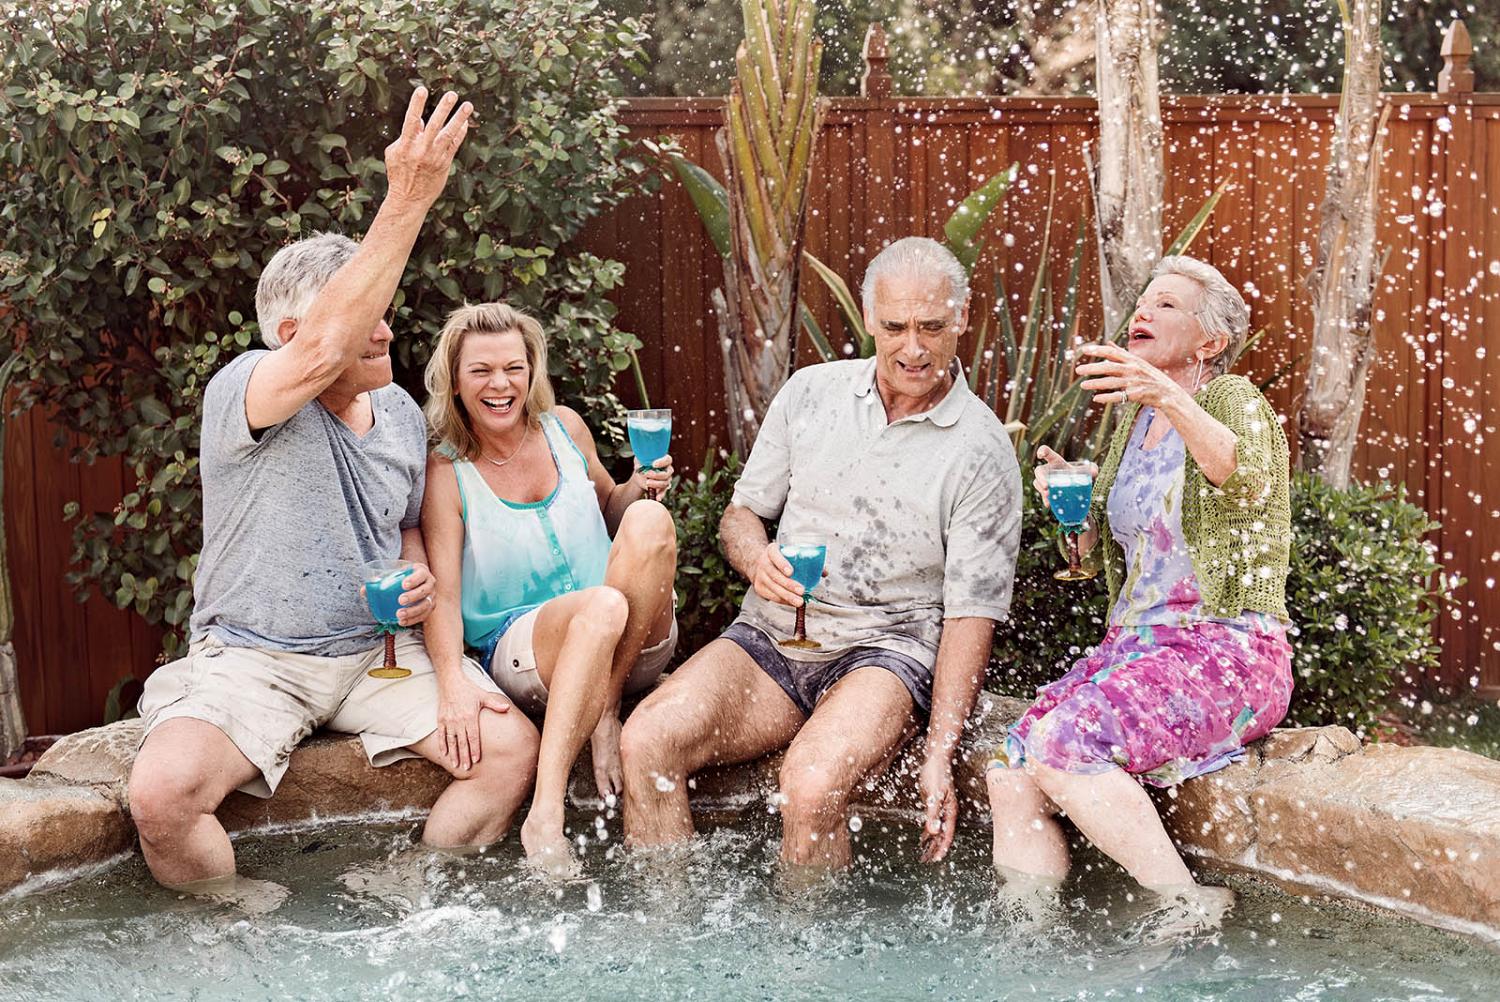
[1411,831]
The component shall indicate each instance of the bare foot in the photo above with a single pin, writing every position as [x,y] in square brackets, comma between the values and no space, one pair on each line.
[609,774]
[547,848]
[254,897]
[1186,911]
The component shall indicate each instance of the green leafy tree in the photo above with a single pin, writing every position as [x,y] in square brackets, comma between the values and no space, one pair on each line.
[154,153]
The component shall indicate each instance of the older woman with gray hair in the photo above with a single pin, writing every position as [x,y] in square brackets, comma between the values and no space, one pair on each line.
[1191,509]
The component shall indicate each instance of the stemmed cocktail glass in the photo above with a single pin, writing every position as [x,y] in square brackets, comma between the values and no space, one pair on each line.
[381,582]
[650,434]
[806,553]
[1070,492]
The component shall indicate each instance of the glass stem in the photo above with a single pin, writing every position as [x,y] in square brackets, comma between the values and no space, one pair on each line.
[802,620]
[1074,560]
[390,650]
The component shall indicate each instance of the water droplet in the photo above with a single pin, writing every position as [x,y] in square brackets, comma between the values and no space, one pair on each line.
[595,897]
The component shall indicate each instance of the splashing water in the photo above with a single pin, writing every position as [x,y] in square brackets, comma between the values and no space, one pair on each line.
[713,919]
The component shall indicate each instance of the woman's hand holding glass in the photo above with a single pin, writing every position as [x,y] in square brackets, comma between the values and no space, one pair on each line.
[658,478]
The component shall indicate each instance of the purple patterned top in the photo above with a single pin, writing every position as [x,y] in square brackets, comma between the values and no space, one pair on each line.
[1145,515]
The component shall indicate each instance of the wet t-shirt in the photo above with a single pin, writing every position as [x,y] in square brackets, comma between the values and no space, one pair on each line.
[289,514]
[922,516]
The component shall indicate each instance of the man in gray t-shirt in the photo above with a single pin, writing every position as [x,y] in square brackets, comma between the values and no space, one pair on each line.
[912,484]
[312,464]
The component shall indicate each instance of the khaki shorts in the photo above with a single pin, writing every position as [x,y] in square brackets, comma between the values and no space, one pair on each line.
[513,666]
[268,701]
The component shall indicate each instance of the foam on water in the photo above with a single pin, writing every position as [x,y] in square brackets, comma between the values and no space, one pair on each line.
[717,919]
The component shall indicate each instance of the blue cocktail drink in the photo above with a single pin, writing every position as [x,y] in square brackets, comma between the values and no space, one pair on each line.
[1070,493]
[382,582]
[806,553]
[650,434]
[384,596]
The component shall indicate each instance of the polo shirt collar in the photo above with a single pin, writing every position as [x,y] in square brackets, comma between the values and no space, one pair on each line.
[947,411]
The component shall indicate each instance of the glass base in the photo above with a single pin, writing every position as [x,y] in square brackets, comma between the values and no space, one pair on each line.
[802,645]
[393,672]
[1083,574]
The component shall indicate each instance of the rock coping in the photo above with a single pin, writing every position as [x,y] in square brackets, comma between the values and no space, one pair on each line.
[1415,831]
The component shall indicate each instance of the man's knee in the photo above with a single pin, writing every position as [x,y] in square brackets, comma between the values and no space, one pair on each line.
[648,747]
[809,788]
[164,799]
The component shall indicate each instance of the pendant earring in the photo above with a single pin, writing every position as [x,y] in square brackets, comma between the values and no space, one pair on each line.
[1198,379]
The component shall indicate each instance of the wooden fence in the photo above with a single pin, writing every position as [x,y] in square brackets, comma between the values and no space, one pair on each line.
[889,167]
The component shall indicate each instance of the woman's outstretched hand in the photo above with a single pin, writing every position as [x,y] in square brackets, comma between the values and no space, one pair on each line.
[1120,377]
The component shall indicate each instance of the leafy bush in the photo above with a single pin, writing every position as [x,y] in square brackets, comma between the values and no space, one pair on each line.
[155,153]
[709,591]
[1364,589]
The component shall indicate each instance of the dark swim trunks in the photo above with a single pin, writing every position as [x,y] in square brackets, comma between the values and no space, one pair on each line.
[805,682]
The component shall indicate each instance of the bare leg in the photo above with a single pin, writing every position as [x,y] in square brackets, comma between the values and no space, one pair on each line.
[574,640]
[855,727]
[716,709]
[184,771]
[1027,837]
[1112,810]
[642,566]
[479,805]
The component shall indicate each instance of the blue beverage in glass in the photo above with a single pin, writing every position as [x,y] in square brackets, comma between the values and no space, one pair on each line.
[650,434]
[384,596]
[1068,495]
[806,553]
[381,581]
[807,563]
[1070,492]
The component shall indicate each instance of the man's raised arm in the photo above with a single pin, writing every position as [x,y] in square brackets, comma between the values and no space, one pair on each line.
[338,327]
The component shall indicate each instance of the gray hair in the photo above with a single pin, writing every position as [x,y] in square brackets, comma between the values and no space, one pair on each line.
[293,278]
[1221,309]
[918,255]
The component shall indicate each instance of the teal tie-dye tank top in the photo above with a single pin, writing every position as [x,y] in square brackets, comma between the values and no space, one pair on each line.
[518,556]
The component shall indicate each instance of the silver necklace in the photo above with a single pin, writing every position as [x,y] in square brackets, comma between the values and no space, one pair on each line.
[515,452]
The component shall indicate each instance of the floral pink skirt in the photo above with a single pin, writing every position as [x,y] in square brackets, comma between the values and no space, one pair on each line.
[1164,703]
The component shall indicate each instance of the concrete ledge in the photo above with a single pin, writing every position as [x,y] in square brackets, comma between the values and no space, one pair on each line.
[1411,830]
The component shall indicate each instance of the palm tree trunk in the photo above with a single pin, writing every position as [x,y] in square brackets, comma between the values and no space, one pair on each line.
[1343,279]
[12,721]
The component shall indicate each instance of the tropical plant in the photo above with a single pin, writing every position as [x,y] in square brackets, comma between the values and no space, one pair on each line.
[156,152]
[709,590]
[772,118]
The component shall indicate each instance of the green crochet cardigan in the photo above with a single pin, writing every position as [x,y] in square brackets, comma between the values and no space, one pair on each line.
[1239,534]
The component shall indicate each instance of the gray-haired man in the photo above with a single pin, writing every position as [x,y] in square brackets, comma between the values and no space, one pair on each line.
[313,463]
[914,484]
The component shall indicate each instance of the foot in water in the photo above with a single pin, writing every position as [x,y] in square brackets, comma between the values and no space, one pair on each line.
[253,897]
[609,774]
[1184,912]
[1028,902]
[547,848]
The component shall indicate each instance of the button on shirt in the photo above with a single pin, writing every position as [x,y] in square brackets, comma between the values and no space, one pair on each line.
[922,515]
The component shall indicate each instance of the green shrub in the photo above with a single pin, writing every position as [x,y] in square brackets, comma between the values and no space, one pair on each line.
[709,591]
[155,153]
[1364,589]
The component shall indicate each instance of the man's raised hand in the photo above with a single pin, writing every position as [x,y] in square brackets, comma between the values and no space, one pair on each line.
[417,163]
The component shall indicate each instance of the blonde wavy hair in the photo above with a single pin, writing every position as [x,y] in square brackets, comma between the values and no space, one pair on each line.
[446,415]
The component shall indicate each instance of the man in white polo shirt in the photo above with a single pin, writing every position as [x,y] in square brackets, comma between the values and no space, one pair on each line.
[913,483]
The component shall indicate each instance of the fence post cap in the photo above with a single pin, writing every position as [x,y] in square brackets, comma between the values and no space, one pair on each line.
[876,81]
[1457,76]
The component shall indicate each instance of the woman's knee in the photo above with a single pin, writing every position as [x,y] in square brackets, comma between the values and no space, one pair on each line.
[605,608]
[648,532]
[1014,793]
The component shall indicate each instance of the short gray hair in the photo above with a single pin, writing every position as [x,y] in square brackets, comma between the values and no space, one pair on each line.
[293,278]
[1221,310]
[918,255]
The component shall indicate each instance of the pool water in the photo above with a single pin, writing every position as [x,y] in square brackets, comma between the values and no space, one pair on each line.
[718,920]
